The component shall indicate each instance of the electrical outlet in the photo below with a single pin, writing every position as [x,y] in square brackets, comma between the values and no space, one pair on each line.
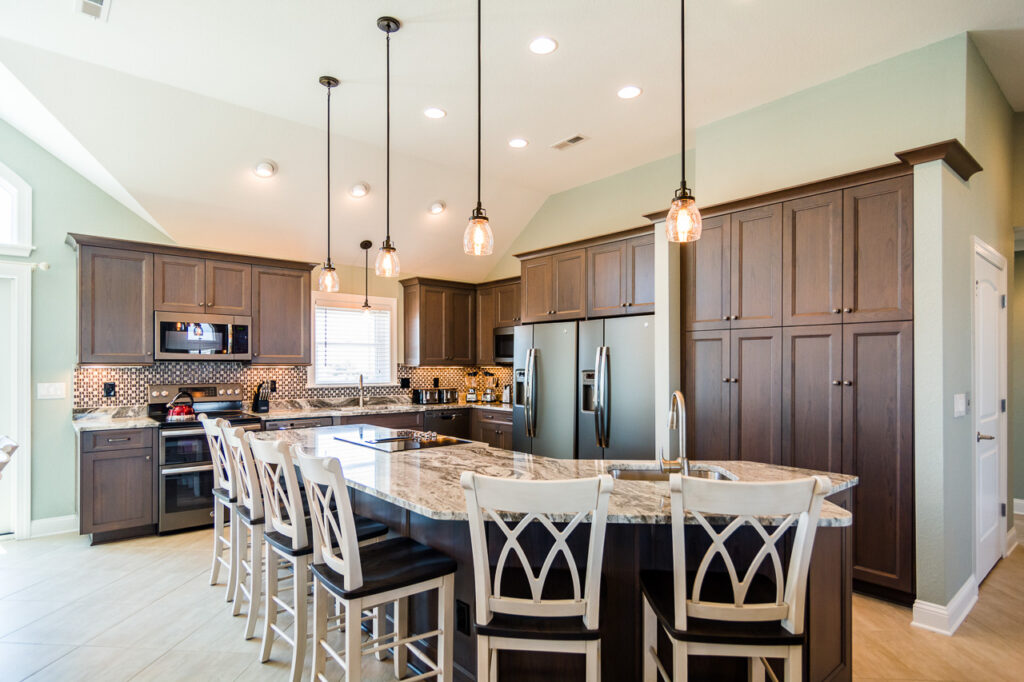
[959,405]
[109,389]
[273,385]
[54,391]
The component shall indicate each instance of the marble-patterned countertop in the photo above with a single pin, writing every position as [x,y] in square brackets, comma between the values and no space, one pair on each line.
[134,417]
[427,481]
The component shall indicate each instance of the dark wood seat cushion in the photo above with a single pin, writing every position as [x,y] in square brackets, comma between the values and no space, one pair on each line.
[243,513]
[366,529]
[557,586]
[222,495]
[657,587]
[389,565]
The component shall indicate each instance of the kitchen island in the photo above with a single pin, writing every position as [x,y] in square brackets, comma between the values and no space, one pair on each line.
[417,493]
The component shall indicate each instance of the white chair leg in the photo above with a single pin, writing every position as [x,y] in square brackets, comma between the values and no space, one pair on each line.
[680,662]
[241,576]
[353,641]
[321,600]
[446,624]
[650,641]
[300,589]
[379,627]
[229,593]
[483,659]
[218,531]
[270,617]
[755,671]
[401,654]
[794,665]
[594,661]
[255,580]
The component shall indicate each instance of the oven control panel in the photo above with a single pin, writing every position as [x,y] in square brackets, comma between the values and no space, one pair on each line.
[164,393]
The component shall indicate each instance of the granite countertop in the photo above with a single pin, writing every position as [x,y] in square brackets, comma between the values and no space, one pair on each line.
[427,481]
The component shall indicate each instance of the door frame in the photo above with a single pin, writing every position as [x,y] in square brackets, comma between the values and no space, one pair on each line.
[984,250]
[20,467]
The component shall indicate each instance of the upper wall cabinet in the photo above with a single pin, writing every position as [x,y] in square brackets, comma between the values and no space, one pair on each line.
[281,316]
[620,277]
[497,305]
[115,318]
[440,323]
[707,276]
[812,260]
[199,285]
[555,286]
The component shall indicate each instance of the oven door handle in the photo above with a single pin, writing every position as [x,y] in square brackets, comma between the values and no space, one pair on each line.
[186,470]
[171,433]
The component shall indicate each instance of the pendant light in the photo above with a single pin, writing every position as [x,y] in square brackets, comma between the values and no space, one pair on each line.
[683,223]
[387,258]
[478,239]
[365,246]
[328,275]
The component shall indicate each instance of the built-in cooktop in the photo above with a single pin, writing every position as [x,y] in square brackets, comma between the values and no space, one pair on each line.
[393,440]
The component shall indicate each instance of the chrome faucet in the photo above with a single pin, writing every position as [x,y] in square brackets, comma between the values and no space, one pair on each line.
[677,421]
[360,390]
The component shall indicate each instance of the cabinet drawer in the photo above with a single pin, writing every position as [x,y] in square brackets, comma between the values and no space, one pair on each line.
[120,439]
[305,423]
[495,416]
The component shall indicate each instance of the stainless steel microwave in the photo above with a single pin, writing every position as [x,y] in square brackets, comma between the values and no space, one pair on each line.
[181,336]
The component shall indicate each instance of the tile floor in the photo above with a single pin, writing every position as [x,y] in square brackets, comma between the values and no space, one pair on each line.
[144,610]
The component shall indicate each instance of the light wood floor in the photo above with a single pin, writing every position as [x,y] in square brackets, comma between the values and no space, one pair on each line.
[144,610]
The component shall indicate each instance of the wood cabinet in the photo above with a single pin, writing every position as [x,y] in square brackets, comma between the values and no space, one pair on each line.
[555,287]
[440,323]
[706,387]
[281,316]
[116,480]
[707,276]
[493,427]
[497,305]
[115,297]
[812,397]
[756,268]
[755,401]
[620,277]
[507,310]
[200,285]
[390,420]
[812,260]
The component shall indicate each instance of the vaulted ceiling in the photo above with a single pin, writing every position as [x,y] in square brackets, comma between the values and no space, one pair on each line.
[177,101]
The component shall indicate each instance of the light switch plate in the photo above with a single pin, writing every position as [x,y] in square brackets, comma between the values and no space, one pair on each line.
[960,405]
[54,391]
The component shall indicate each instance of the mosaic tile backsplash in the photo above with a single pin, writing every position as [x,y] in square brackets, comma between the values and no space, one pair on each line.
[291,381]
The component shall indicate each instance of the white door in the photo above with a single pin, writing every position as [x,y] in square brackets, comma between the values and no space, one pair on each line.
[989,383]
[8,399]
[15,407]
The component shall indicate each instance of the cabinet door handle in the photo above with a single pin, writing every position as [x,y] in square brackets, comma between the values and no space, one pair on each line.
[847,383]
[628,305]
[623,305]
[117,440]
[732,317]
[210,304]
[836,311]
[836,382]
[725,379]
[725,317]
[981,436]
[847,310]
[734,380]
[148,457]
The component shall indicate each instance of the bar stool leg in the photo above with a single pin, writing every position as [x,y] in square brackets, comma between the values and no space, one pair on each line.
[378,629]
[650,642]
[756,670]
[300,587]
[401,630]
[233,535]
[483,659]
[794,665]
[353,640]
[594,661]
[241,575]
[270,618]
[446,624]
[680,662]
[321,600]
[218,532]
[255,580]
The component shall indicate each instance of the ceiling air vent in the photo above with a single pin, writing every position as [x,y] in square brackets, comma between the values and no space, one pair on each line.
[94,9]
[568,142]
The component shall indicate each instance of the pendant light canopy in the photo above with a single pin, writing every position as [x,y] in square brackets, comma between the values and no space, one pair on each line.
[329,280]
[478,240]
[683,223]
[387,258]
[365,246]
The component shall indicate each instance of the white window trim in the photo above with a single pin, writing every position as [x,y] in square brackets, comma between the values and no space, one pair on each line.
[355,302]
[22,193]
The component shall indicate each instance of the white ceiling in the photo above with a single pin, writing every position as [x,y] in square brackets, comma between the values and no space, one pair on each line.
[178,100]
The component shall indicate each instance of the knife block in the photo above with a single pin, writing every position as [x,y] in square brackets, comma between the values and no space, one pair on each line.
[259,405]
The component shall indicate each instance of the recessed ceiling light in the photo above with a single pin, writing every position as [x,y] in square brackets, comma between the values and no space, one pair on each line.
[517,143]
[265,169]
[359,190]
[434,112]
[629,92]
[437,208]
[543,45]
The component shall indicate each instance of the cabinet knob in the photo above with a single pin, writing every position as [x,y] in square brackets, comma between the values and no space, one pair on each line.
[725,379]
[210,304]
[148,457]
[629,305]
[847,383]
[734,380]
[725,317]
[732,317]
[847,310]
[836,382]
[623,305]
[836,311]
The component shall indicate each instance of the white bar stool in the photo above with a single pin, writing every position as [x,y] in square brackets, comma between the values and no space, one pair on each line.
[568,621]
[7,448]
[715,613]
[225,499]
[250,531]
[369,577]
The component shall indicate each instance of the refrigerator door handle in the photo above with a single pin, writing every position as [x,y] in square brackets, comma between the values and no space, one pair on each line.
[531,393]
[598,436]
[602,378]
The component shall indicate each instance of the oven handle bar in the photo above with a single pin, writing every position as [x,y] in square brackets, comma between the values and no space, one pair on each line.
[186,470]
[172,433]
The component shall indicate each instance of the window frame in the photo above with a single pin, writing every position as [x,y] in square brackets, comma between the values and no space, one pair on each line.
[21,196]
[352,302]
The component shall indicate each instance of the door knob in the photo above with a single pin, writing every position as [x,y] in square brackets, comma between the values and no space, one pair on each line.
[982,436]
[623,305]
[836,382]
[847,383]
[725,380]
[725,317]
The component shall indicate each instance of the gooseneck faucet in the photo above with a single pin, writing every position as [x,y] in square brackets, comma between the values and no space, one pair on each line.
[360,390]
[677,421]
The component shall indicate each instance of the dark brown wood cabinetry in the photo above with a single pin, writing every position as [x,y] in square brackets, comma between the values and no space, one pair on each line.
[281,316]
[115,306]
[756,268]
[755,403]
[116,481]
[707,276]
[555,286]
[440,322]
[497,305]
[199,285]
[403,420]
[620,277]
[812,397]
[507,310]
[493,427]
[812,260]
[706,387]
[228,288]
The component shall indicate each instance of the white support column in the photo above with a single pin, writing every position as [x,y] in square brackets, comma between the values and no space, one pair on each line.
[668,344]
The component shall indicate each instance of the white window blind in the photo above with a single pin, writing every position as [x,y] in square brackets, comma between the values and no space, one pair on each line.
[349,342]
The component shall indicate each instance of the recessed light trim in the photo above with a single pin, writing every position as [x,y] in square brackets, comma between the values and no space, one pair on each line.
[630,92]
[434,112]
[543,45]
[359,190]
[265,169]
[518,143]
[438,207]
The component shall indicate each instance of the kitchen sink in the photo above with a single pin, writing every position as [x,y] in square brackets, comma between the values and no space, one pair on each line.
[656,475]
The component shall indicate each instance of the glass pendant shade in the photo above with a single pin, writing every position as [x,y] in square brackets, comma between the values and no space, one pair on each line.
[478,239]
[329,280]
[683,223]
[387,262]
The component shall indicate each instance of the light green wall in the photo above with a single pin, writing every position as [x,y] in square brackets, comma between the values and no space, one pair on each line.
[62,202]
[1018,169]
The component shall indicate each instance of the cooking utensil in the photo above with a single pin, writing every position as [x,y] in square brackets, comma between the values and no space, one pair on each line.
[182,411]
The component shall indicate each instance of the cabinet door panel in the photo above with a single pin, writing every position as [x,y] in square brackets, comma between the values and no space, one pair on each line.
[486,307]
[878,251]
[706,276]
[878,447]
[640,273]
[179,284]
[460,326]
[432,326]
[756,245]
[490,433]
[706,389]
[116,490]
[756,395]
[607,280]
[506,305]
[228,288]
[281,318]
[812,260]
[812,405]
[538,283]
[116,306]
[569,299]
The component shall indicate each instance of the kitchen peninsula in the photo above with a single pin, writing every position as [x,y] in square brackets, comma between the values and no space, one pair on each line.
[418,494]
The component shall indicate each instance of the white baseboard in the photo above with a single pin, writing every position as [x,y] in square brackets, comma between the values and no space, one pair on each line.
[54,525]
[1011,541]
[1018,506]
[946,619]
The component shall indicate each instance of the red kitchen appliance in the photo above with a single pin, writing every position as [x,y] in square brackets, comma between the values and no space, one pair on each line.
[181,412]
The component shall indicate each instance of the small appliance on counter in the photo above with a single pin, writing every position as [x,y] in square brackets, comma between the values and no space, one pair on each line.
[181,412]
[471,393]
[434,396]
[261,398]
[506,394]
[490,388]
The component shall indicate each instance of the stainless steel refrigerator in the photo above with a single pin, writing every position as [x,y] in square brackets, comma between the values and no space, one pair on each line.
[544,378]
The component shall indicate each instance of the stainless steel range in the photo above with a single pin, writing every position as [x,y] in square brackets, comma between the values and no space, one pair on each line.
[186,467]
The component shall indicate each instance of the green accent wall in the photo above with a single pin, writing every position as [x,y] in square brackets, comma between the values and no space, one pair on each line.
[62,201]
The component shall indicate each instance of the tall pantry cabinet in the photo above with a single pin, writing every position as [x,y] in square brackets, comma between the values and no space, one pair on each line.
[798,323]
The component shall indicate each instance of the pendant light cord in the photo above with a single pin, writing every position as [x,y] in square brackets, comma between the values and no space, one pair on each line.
[479,108]
[387,183]
[682,87]
[329,176]
[366,278]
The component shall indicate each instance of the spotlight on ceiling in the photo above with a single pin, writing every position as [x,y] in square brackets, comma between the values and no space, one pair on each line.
[359,190]
[543,45]
[517,143]
[265,169]
[629,92]
[434,112]
[438,207]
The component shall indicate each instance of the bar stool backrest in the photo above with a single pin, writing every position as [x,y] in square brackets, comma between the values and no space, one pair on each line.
[247,479]
[7,448]
[282,499]
[775,506]
[334,532]
[546,503]
[224,469]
